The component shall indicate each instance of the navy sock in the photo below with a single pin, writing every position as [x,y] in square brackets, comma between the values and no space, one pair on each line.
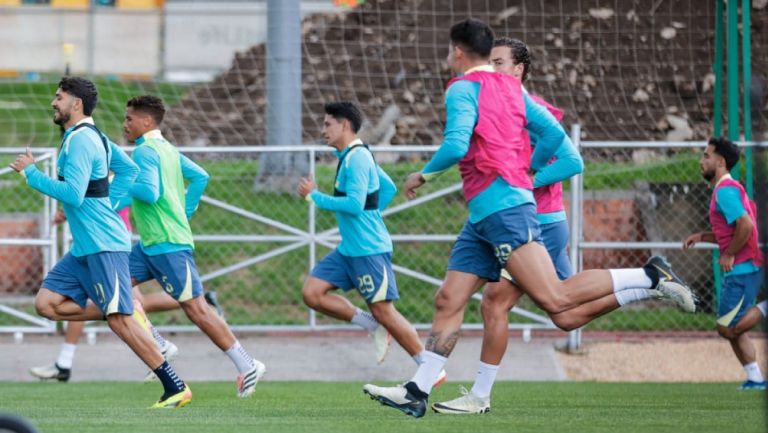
[415,391]
[171,382]
[653,274]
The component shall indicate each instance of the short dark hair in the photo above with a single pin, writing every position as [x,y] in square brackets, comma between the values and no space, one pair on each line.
[520,53]
[148,104]
[83,89]
[473,36]
[727,149]
[345,110]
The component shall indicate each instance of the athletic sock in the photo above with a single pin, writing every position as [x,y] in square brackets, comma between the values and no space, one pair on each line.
[763,307]
[628,296]
[753,372]
[172,384]
[428,371]
[418,358]
[486,376]
[364,320]
[242,360]
[633,278]
[66,356]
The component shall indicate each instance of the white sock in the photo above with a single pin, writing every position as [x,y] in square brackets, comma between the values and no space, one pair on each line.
[242,360]
[161,342]
[365,320]
[763,307]
[634,278]
[66,355]
[753,372]
[633,295]
[486,375]
[429,370]
[418,358]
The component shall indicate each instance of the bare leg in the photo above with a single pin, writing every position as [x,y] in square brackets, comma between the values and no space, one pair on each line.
[74,331]
[159,301]
[209,322]
[751,318]
[401,329]
[577,317]
[498,299]
[316,293]
[532,269]
[743,347]
[450,301]
[54,306]
[142,344]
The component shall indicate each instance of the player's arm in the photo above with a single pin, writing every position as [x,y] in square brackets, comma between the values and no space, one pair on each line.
[198,181]
[76,172]
[356,167]
[387,188]
[550,134]
[125,171]
[461,117]
[147,185]
[567,165]
[695,238]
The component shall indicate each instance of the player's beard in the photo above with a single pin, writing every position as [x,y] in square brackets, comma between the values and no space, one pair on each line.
[708,175]
[62,118]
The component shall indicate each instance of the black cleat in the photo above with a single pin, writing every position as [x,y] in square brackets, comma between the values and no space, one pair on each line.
[670,284]
[213,301]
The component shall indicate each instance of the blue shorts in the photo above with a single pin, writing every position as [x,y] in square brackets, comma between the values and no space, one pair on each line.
[555,237]
[483,248]
[176,272]
[371,276]
[102,277]
[737,296]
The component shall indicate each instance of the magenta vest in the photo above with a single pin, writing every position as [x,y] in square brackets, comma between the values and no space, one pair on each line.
[724,232]
[548,198]
[498,146]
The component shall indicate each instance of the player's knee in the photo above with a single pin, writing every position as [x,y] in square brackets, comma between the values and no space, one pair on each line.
[446,302]
[554,305]
[565,322]
[492,311]
[311,297]
[45,309]
[118,322]
[196,310]
[382,311]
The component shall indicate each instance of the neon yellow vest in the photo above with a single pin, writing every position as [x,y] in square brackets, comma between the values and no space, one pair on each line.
[164,221]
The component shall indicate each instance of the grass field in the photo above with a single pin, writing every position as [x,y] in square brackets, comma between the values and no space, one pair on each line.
[109,407]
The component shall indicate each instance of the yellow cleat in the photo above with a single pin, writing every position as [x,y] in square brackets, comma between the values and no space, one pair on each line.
[175,401]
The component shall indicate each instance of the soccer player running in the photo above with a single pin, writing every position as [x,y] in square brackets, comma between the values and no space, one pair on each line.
[97,266]
[512,57]
[732,216]
[363,260]
[486,114]
[161,210]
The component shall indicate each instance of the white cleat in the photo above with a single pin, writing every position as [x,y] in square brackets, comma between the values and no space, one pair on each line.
[398,397]
[51,371]
[382,340]
[246,383]
[679,294]
[169,352]
[467,404]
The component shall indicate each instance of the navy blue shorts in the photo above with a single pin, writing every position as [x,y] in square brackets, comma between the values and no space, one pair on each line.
[737,296]
[176,272]
[102,277]
[555,237]
[483,248]
[371,276]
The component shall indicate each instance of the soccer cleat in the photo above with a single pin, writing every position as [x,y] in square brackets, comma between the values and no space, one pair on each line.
[440,379]
[401,397]
[213,301]
[381,339]
[671,285]
[175,401]
[52,371]
[750,384]
[467,404]
[246,383]
[169,352]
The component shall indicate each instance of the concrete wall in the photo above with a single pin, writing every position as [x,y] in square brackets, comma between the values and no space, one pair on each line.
[186,41]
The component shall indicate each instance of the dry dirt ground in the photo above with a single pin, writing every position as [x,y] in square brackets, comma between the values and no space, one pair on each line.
[659,360]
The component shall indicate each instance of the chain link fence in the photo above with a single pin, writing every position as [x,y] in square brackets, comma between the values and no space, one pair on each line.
[256,245]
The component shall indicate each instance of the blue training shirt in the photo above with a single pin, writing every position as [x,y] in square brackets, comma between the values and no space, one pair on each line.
[728,203]
[149,188]
[363,232]
[461,103]
[96,226]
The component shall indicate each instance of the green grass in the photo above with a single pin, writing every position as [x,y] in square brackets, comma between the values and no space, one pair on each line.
[294,407]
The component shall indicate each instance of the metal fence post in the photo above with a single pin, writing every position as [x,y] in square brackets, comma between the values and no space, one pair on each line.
[574,337]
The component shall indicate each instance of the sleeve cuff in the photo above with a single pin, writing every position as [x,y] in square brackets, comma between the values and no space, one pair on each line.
[308,197]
